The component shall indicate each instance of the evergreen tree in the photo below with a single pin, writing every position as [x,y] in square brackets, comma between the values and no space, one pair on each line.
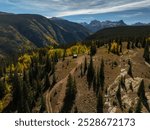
[53,68]
[133,45]
[109,47]
[138,106]
[47,64]
[100,102]
[93,50]
[16,91]
[76,110]
[94,83]
[129,45]
[43,107]
[141,95]
[20,98]
[90,72]
[54,79]
[26,98]
[64,54]
[1,72]
[144,43]
[146,54]
[55,57]
[102,75]
[47,82]
[85,65]
[2,89]
[70,95]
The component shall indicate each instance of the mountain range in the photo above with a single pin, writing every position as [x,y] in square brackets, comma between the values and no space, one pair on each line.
[30,30]
[96,25]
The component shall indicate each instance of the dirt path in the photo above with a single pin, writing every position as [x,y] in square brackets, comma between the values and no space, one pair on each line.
[62,83]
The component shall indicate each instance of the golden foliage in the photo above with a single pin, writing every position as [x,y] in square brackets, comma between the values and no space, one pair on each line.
[114,47]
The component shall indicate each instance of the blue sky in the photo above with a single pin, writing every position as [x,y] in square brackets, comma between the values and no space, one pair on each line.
[130,11]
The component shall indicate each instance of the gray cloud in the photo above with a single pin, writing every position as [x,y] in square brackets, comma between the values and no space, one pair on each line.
[75,7]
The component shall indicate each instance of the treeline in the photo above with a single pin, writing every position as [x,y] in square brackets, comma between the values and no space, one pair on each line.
[126,33]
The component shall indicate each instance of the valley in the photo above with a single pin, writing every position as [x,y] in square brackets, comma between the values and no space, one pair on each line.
[52,65]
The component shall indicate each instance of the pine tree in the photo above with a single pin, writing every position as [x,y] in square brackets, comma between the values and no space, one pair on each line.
[47,64]
[43,107]
[53,68]
[15,91]
[70,95]
[55,57]
[1,72]
[64,54]
[109,47]
[100,102]
[93,50]
[20,98]
[102,75]
[26,97]
[141,95]
[133,45]
[2,89]
[138,106]
[94,83]
[54,79]
[146,54]
[76,110]
[85,65]
[90,72]
[129,45]
[47,82]
[98,83]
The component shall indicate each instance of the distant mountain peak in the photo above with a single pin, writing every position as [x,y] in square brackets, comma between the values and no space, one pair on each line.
[95,21]
[139,24]
[96,25]
[121,21]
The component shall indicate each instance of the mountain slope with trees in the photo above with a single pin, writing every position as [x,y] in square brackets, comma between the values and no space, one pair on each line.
[126,33]
[35,30]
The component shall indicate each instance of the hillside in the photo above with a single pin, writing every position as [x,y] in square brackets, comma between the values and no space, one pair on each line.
[121,33]
[51,80]
[72,31]
[36,30]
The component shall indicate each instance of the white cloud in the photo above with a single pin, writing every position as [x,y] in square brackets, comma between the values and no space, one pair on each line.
[126,6]
[74,7]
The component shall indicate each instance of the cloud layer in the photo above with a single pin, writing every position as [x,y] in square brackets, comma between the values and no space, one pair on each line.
[71,7]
